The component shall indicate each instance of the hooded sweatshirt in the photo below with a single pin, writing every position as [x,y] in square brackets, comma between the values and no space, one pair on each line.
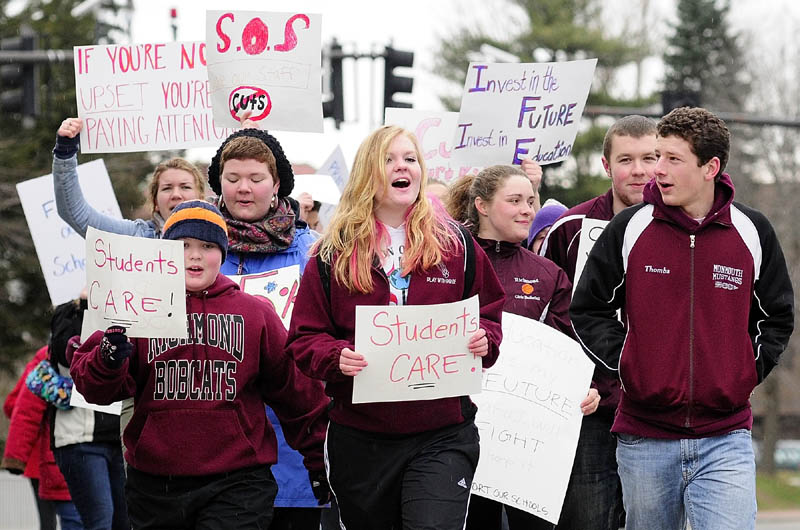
[709,309]
[199,402]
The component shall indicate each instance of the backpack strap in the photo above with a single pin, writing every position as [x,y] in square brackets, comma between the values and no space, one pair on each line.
[325,276]
[469,257]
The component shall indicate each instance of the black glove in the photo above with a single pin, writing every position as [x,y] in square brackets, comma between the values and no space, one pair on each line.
[66,147]
[115,348]
[320,487]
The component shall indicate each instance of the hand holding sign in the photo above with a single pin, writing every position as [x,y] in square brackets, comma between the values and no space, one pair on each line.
[350,362]
[276,79]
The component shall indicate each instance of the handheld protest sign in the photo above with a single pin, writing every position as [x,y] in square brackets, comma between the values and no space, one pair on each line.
[61,251]
[144,97]
[277,287]
[590,231]
[529,417]
[434,131]
[417,352]
[513,111]
[321,187]
[137,283]
[269,64]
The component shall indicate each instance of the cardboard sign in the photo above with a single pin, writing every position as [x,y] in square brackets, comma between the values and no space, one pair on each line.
[322,188]
[529,417]
[434,131]
[144,97]
[61,251]
[336,167]
[266,63]
[590,231]
[277,287]
[417,352]
[510,112]
[137,283]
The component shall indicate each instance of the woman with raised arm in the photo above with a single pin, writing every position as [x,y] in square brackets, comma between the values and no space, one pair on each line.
[402,464]
[173,182]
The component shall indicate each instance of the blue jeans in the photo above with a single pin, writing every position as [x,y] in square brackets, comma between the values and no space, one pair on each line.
[68,515]
[594,496]
[710,481]
[95,475]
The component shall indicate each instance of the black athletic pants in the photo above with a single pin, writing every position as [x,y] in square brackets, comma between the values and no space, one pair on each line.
[240,499]
[410,482]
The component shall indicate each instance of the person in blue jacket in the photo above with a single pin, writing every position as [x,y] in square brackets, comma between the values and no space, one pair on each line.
[253,179]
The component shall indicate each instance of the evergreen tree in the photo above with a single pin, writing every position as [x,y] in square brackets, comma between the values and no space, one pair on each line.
[26,153]
[553,30]
[704,56]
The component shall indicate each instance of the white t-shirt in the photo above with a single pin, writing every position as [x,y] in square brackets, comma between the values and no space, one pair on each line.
[393,265]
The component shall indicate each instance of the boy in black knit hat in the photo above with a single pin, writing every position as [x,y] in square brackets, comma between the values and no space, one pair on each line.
[199,446]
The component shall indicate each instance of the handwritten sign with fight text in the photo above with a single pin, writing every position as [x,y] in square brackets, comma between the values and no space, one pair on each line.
[434,131]
[529,417]
[61,251]
[137,283]
[144,97]
[512,111]
[269,64]
[277,287]
[417,352]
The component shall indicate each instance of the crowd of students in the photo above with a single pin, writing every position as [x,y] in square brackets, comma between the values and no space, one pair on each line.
[684,305]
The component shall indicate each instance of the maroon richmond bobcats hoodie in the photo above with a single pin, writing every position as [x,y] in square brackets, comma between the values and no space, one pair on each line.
[199,403]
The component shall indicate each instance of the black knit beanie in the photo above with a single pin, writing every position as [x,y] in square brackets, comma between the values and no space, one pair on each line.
[285,173]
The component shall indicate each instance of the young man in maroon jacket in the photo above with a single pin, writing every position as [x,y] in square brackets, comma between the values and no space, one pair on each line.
[594,494]
[709,308]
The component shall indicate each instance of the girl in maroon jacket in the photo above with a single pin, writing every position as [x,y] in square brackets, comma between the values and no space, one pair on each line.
[497,206]
[399,464]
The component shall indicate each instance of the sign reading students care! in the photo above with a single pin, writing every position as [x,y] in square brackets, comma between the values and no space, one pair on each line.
[62,251]
[529,417]
[511,111]
[144,97]
[269,64]
[137,283]
[417,351]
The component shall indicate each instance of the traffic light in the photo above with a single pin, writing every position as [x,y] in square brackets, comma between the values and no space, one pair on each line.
[334,107]
[393,83]
[19,88]
[674,99]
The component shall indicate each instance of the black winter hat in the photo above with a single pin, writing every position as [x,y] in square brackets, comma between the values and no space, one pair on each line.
[285,173]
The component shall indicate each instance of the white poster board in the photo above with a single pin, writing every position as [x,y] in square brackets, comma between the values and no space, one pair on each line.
[267,63]
[529,417]
[590,231]
[417,351]
[336,167]
[321,187]
[277,287]
[144,97]
[61,251]
[137,283]
[434,131]
[510,112]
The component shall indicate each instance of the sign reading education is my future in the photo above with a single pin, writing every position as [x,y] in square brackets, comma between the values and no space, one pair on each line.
[512,111]
[269,64]
[529,417]
[417,351]
[144,97]
[137,283]
[61,251]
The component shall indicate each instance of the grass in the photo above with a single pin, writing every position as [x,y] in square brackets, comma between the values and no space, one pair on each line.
[778,492]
